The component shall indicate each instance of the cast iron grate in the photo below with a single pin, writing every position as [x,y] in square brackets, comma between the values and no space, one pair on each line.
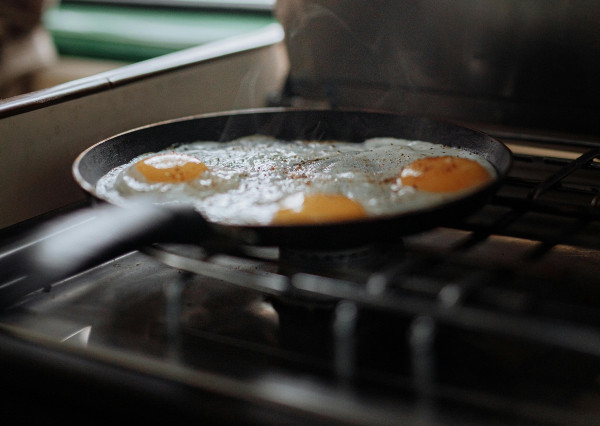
[498,313]
[506,312]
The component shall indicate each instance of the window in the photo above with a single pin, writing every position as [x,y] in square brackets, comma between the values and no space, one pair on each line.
[135,30]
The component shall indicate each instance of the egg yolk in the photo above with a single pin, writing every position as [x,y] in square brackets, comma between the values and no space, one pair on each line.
[444,174]
[321,208]
[170,168]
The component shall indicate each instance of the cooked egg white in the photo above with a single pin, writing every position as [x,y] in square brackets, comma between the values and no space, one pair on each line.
[259,180]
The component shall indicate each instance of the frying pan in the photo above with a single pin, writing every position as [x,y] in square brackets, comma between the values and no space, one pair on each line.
[286,124]
[116,228]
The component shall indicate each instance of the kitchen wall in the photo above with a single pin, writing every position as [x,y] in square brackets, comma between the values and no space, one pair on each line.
[41,133]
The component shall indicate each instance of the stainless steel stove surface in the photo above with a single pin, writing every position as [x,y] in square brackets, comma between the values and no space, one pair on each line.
[494,320]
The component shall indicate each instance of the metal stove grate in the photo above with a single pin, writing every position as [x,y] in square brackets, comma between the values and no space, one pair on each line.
[500,311]
[493,320]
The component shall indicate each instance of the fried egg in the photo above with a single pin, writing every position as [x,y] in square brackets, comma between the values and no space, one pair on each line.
[170,167]
[444,174]
[259,180]
[318,208]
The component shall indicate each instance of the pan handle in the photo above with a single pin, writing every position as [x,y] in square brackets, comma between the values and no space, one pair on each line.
[91,236]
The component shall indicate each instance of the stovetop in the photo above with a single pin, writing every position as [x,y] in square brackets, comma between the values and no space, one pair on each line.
[493,320]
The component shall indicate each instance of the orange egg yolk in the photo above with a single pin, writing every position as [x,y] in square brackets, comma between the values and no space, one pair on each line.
[444,174]
[321,208]
[171,168]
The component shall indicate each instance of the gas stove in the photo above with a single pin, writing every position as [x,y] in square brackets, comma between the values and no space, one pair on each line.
[492,321]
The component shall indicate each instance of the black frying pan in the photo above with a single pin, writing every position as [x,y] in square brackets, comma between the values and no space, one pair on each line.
[114,229]
[289,124]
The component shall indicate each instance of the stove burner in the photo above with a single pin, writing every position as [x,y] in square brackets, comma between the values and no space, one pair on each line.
[366,256]
[343,256]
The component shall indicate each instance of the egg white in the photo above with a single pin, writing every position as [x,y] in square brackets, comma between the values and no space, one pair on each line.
[250,178]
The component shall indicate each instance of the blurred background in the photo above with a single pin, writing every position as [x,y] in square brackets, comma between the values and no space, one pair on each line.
[48,42]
